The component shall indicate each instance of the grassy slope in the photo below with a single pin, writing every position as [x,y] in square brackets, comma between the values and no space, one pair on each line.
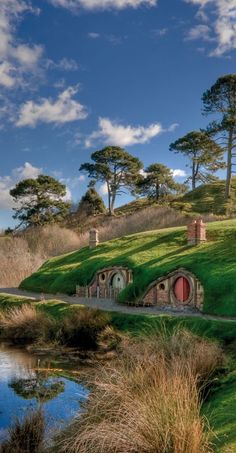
[221,407]
[152,255]
[208,198]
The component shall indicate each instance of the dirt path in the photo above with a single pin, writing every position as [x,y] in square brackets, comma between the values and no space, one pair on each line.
[110,305]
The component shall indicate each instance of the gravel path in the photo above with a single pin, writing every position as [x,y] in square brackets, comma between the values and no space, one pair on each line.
[110,305]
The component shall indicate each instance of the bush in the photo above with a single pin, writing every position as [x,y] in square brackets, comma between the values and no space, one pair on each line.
[26,436]
[26,325]
[82,327]
[148,401]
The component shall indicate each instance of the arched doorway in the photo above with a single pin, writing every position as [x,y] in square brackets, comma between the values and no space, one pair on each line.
[118,281]
[182,289]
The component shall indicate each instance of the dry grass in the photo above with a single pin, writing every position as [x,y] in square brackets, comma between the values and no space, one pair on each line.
[148,401]
[26,436]
[25,324]
[20,256]
[16,261]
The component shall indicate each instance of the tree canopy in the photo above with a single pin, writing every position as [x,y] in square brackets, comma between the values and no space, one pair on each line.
[91,203]
[220,99]
[116,168]
[39,201]
[205,155]
[156,182]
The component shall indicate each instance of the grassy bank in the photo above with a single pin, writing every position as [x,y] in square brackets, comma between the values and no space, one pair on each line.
[150,256]
[220,409]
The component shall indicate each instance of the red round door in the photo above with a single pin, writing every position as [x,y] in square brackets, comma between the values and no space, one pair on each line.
[182,289]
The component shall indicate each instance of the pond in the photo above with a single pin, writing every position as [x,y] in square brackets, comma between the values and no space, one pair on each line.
[27,381]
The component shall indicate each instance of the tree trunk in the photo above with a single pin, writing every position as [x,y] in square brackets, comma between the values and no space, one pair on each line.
[109,199]
[229,164]
[193,177]
[113,199]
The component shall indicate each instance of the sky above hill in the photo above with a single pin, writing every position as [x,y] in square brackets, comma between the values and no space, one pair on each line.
[76,75]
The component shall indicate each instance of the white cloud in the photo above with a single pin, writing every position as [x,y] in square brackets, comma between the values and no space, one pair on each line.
[102,4]
[178,173]
[111,132]
[17,59]
[103,189]
[200,31]
[62,110]
[223,27]
[65,64]
[8,182]
[94,35]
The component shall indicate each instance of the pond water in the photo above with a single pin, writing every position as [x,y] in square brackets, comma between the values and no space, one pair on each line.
[27,381]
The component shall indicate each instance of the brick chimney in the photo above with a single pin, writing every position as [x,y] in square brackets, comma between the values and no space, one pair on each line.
[196,232]
[93,238]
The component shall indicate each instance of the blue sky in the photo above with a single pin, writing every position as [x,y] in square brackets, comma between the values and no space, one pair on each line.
[76,75]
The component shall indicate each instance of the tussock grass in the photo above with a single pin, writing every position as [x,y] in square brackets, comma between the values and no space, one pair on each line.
[25,324]
[27,435]
[149,401]
[81,328]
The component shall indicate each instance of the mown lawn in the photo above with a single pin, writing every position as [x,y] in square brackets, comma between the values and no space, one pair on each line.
[151,255]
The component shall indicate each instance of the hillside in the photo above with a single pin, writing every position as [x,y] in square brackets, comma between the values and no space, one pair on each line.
[151,255]
[208,198]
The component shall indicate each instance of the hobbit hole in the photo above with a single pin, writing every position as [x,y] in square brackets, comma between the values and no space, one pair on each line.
[177,290]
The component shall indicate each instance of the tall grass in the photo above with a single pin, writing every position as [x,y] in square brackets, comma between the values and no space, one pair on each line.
[149,401]
[27,435]
[26,325]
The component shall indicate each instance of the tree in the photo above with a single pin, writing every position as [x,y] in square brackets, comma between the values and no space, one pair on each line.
[204,154]
[116,168]
[156,182]
[39,201]
[91,203]
[221,99]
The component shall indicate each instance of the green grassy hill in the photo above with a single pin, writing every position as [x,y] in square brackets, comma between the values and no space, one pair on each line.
[151,255]
[208,198]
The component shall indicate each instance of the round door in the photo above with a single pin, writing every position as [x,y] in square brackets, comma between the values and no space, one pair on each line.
[118,281]
[182,289]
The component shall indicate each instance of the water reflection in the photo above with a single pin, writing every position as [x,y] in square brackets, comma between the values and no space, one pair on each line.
[23,386]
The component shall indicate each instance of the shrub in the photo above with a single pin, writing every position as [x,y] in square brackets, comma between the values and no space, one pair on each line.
[82,327]
[26,325]
[26,436]
[148,401]
[16,261]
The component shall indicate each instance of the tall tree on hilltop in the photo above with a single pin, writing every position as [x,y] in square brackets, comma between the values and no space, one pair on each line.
[39,201]
[221,99]
[91,203]
[116,168]
[204,154]
[157,182]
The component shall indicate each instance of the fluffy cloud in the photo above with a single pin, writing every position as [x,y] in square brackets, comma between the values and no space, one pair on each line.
[178,173]
[102,4]
[17,59]
[111,132]
[62,110]
[8,182]
[103,189]
[223,27]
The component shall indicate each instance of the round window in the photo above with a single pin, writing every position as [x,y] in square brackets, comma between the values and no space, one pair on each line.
[182,289]
[103,277]
[162,286]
